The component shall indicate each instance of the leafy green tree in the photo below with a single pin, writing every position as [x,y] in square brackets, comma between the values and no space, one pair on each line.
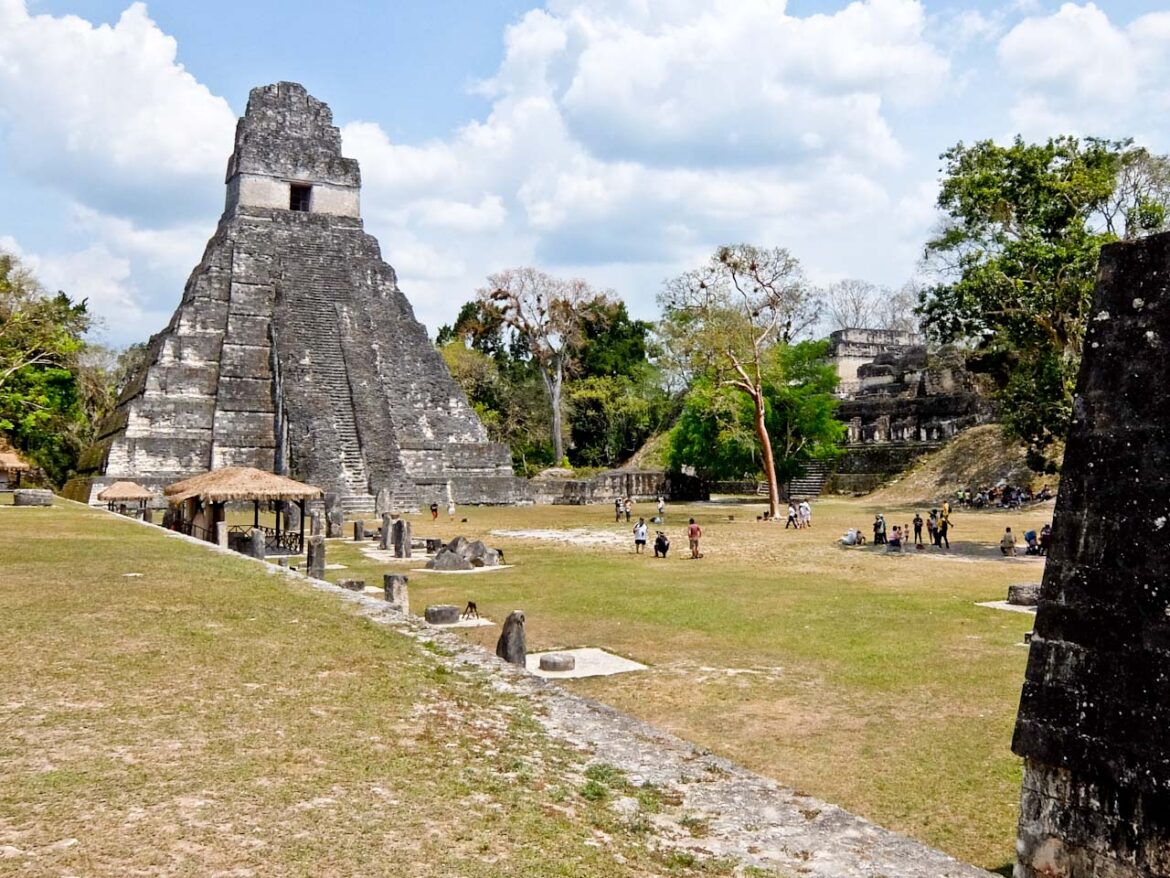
[722,321]
[1016,261]
[716,431]
[611,417]
[41,346]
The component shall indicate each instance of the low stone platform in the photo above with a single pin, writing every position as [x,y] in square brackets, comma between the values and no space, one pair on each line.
[590,662]
[472,571]
[1004,605]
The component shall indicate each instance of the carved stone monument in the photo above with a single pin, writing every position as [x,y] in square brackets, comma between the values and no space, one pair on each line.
[293,349]
[1095,708]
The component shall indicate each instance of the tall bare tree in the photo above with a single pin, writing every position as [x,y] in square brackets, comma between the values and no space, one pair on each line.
[859,304]
[546,313]
[724,318]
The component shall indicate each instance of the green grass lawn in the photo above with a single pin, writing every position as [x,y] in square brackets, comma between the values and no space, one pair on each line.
[868,680]
[208,718]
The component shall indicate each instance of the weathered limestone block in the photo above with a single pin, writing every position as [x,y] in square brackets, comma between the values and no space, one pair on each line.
[317,527]
[334,515]
[1096,698]
[256,544]
[1024,594]
[316,556]
[359,531]
[395,587]
[401,538]
[385,540]
[511,646]
[32,497]
[382,505]
[441,614]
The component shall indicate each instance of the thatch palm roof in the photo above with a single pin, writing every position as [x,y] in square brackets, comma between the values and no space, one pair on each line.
[10,460]
[121,491]
[239,483]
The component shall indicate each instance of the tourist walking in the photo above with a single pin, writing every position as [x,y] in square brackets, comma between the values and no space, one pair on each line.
[792,522]
[640,530]
[694,534]
[626,507]
[451,509]
[661,506]
[617,508]
[918,529]
[434,511]
[805,511]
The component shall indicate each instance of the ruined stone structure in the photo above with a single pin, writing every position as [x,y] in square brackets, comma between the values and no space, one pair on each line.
[1096,699]
[293,350]
[850,349]
[906,403]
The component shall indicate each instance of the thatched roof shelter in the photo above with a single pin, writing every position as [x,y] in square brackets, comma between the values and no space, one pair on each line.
[11,461]
[232,483]
[123,492]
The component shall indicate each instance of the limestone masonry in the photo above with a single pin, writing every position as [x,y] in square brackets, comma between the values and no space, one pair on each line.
[1095,708]
[293,350]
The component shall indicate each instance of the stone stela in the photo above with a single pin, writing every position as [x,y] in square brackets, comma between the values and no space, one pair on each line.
[1095,707]
[294,351]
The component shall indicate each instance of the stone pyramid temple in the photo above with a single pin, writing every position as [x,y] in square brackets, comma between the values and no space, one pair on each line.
[293,349]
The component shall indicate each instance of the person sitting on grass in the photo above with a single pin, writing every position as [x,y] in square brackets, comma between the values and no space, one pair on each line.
[853,537]
[1032,545]
[894,544]
[1007,543]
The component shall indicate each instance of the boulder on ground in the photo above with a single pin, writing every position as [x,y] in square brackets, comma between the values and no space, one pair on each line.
[464,554]
[511,646]
[448,560]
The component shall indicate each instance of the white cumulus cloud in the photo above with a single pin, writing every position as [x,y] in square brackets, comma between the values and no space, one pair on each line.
[1077,71]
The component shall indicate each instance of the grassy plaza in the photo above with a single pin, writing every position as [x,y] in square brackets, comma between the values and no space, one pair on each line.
[205,709]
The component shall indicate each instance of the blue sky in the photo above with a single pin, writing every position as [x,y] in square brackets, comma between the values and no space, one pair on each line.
[618,140]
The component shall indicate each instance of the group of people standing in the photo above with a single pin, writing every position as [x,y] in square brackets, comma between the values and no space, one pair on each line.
[938,525]
[799,515]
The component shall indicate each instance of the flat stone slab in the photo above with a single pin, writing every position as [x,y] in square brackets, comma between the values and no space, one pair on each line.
[462,572]
[481,622]
[1004,605]
[589,662]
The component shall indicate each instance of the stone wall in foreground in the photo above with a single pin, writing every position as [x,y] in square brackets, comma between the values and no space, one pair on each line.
[1094,721]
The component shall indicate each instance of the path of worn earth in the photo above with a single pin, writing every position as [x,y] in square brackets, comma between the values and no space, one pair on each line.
[748,817]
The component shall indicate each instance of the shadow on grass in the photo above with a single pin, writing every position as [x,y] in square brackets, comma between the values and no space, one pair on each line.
[1005,870]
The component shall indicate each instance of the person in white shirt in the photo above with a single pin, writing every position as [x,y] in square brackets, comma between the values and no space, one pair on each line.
[640,536]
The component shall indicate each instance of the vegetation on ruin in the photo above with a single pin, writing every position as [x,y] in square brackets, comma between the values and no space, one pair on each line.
[1016,262]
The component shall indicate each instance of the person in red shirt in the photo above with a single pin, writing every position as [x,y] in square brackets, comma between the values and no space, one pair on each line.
[694,532]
